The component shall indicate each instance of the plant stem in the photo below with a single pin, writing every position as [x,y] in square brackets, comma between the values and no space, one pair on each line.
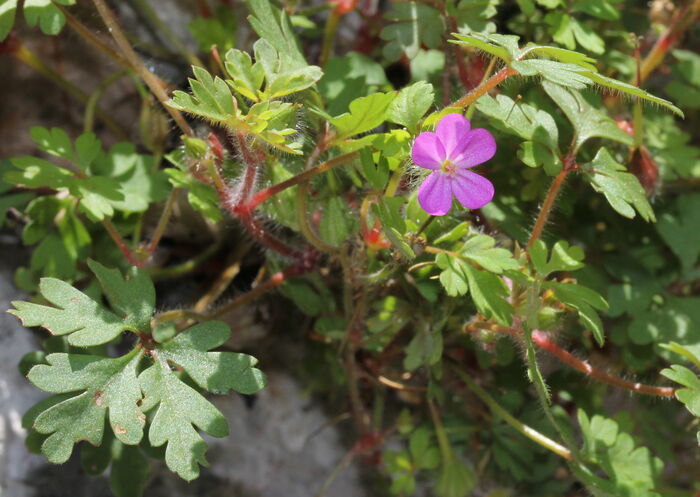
[329,36]
[28,57]
[484,88]
[540,339]
[95,97]
[546,208]
[250,171]
[266,193]
[544,342]
[162,221]
[274,281]
[524,429]
[225,277]
[303,221]
[175,315]
[684,18]
[487,74]
[130,256]
[135,61]
[170,272]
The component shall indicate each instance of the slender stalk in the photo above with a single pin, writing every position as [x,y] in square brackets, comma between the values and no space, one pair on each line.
[250,172]
[305,227]
[544,342]
[274,281]
[337,471]
[28,57]
[162,221]
[546,208]
[524,429]
[135,61]
[540,339]
[93,40]
[329,36]
[225,278]
[94,99]
[683,20]
[487,75]
[266,193]
[121,244]
[176,315]
[484,88]
[166,273]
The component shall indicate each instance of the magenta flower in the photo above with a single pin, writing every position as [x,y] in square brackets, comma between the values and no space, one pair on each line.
[449,153]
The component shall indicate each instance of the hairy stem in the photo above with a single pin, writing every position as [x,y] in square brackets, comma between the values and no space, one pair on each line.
[162,221]
[266,193]
[484,88]
[546,208]
[121,244]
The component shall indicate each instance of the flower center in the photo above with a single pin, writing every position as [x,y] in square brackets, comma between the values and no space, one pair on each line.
[449,168]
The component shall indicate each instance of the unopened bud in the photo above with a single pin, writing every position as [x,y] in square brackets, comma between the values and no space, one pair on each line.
[153,127]
[645,169]
[194,147]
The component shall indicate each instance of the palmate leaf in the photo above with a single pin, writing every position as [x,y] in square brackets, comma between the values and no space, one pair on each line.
[43,12]
[85,321]
[630,470]
[179,407]
[563,257]
[109,388]
[212,100]
[585,301]
[216,372]
[272,25]
[622,189]
[366,113]
[481,249]
[411,103]
[588,122]
[414,25]
[557,65]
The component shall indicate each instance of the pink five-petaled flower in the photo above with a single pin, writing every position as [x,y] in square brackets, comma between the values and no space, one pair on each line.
[449,153]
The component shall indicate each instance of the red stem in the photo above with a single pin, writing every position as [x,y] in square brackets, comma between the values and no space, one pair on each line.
[543,341]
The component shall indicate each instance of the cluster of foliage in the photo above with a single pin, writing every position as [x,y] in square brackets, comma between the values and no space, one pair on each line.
[447,319]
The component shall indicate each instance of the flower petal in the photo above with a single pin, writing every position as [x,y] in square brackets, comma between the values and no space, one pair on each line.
[427,151]
[472,191]
[477,146]
[435,194]
[452,129]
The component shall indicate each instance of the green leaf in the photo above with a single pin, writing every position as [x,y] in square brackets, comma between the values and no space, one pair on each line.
[247,77]
[504,47]
[137,182]
[8,9]
[679,230]
[108,387]
[588,122]
[523,120]
[425,455]
[85,321]
[585,301]
[219,29]
[455,480]
[630,470]
[43,12]
[561,73]
[179,409]
[366,113]
[36,173]
[563,258]
[129,471]
[690,396]
[281,81]
[334,228]
[424,349]
[53,141]
[622,190]
[216,372]
[376,174]
[272,25]
[133,296]
[411,103]
[87,148]
[480,249]
[347,78]
[603,9]
[413,25]
[201,196]
[488,291]
[453,276]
